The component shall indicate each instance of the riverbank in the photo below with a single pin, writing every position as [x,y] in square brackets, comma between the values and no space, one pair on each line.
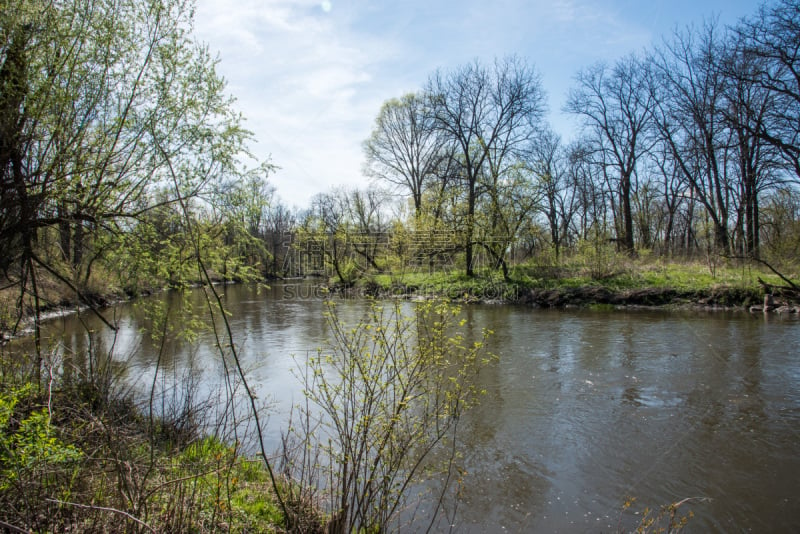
[637,285]
[667,286]
[55,300]
[80,455]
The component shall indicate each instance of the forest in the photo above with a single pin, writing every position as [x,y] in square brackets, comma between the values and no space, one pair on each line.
[122,163]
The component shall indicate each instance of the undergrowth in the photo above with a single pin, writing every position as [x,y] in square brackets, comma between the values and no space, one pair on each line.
[80,459]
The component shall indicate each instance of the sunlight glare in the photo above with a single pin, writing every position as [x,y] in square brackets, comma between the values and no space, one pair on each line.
[326,6]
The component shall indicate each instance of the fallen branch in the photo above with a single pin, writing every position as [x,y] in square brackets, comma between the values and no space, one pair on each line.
[769,288]
[790,286]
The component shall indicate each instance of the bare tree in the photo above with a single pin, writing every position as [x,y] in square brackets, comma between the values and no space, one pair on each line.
[689,117]
[279,225]
[747,109]
[550,165]
[774,37]
[369,224]
[405,150]
[672,194]
[326,228]
[615,105]
[583,179]
[490,115]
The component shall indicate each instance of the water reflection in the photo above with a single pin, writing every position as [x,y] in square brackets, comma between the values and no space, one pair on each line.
[582,409]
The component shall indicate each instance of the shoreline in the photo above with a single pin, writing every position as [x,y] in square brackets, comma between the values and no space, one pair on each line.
[723,298]
[720,298]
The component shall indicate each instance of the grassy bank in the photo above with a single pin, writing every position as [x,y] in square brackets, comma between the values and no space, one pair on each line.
[76,459]
[628,283]
[636,284]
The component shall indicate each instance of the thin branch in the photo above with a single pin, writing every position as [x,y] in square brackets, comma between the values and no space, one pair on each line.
[221,307]
[9,526]
[69,284]
[103,509]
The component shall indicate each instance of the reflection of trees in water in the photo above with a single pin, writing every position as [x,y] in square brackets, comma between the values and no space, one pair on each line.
[681,404]
[632,395]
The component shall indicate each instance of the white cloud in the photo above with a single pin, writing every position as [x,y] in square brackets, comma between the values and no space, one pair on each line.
[305,82]
[310,76]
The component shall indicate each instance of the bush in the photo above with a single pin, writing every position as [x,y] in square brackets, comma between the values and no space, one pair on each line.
[386,394]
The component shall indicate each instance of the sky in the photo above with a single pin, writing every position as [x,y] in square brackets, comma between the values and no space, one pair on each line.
[310,76]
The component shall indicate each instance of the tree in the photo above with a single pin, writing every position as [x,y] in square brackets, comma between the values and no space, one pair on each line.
[280,225]
[507,205]
[690,121]
[490,115]
[325,229]
[549,161]
[102,103]
[773,36]
[672,186]
[369,225]
[615,105]
[245,201]
[404,149]
[748,106]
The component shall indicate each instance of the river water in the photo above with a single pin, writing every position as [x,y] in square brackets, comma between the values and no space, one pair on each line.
[583,408]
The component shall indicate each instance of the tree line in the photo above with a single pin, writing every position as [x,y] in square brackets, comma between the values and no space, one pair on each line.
[122,157]
[688,149]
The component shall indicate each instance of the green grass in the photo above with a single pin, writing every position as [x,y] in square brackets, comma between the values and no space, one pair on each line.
[97,458]
[623,275]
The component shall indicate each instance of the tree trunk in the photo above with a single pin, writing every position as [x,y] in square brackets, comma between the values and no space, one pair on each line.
[468,250]
[64,231]
[627,215]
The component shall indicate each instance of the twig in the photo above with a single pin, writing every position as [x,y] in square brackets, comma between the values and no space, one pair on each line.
[72,286]
[182,479]
[12,527]
[687,499]
[50,394]
[104,509]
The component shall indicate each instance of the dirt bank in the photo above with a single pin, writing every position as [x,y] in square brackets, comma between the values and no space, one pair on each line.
[712,298]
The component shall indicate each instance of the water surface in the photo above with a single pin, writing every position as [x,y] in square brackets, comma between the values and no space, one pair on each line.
[583,409]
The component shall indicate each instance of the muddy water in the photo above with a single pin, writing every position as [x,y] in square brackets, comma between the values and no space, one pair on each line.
[583,409]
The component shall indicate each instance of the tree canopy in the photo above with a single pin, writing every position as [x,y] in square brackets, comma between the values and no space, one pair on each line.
[108,109]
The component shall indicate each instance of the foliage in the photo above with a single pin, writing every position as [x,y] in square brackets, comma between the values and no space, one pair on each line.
[667,520]
[383,397]
[29,448]
[90,461]
[599,257]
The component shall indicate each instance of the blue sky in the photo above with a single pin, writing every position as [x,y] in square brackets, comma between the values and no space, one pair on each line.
[310,76]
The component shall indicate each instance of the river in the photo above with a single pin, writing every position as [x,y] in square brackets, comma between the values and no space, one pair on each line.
[583,408]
